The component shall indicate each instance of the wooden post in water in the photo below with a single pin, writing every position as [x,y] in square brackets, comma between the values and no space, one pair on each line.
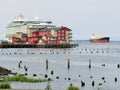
[115,79]
[118,65]
[93,83]
[68,63]
[52,72]
[46,64]
[19,64]
[89,63]
[25,68]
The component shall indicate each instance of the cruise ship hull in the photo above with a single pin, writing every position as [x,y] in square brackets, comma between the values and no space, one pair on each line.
[100,40]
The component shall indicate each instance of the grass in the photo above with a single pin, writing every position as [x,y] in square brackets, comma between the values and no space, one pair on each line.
[5,85]
[71,87]
[22,78]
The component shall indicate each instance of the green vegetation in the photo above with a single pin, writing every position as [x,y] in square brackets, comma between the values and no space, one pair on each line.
[71,87]
[22,78]
[5,85]
[48,87]
[19,78]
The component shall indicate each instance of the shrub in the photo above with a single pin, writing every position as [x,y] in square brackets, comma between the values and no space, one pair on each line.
[22,78]
[71,87]
[5,85]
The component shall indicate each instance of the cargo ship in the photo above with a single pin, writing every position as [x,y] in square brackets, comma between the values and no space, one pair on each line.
[99,39]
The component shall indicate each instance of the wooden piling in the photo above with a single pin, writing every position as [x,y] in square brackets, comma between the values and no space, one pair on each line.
[68,64]
[89,63]
[118,66]
[46,64]
[115,79]
[19,64]
[25,68]
[93,83]
[52,72]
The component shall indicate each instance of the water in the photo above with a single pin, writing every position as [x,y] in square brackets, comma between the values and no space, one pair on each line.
[34,58]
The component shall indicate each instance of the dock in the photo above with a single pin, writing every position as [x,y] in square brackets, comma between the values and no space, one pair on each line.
[38,46]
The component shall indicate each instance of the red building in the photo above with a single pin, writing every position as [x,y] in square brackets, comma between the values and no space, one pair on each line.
[57,35]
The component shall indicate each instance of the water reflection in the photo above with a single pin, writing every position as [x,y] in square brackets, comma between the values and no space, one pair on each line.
[66,66]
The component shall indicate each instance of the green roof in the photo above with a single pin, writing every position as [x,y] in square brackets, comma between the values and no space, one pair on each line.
[12,24]
[3,41]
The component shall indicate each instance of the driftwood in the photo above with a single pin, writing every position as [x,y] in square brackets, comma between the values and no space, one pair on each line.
[5,71]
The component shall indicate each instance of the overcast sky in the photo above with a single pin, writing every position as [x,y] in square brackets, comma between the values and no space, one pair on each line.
[84,17]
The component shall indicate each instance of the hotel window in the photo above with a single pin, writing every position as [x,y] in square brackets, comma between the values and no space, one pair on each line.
[58,38]
[62,38]
[59,34]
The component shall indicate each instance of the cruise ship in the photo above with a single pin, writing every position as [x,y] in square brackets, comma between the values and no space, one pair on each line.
[99,39]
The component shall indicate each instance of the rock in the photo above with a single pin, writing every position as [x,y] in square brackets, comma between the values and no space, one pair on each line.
[34,75]
[57,77]
[26,74]
[68,78]
[103,78]
[82,83]
[100,84]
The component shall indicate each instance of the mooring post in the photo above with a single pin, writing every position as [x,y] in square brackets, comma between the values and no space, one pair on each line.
[19,64]
[118,66]
[46,64]
[68,63]
[89,63]
[25,68]
[115,79]
[93,83]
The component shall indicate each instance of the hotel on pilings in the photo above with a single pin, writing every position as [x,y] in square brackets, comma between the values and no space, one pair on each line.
[21,31]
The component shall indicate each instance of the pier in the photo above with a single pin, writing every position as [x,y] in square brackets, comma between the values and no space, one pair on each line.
[38,46]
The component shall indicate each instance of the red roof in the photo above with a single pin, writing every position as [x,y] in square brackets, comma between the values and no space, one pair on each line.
[65,28]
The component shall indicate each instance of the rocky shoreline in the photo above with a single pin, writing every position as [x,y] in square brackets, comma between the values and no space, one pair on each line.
[5,71]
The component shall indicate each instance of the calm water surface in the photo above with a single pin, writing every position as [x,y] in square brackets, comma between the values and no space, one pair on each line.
[100,54]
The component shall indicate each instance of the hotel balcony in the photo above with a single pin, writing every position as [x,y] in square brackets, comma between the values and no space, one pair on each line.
[69,33]
[36,26]
[69,37]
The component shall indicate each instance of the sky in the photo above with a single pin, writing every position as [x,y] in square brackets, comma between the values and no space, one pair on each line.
[84,17]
